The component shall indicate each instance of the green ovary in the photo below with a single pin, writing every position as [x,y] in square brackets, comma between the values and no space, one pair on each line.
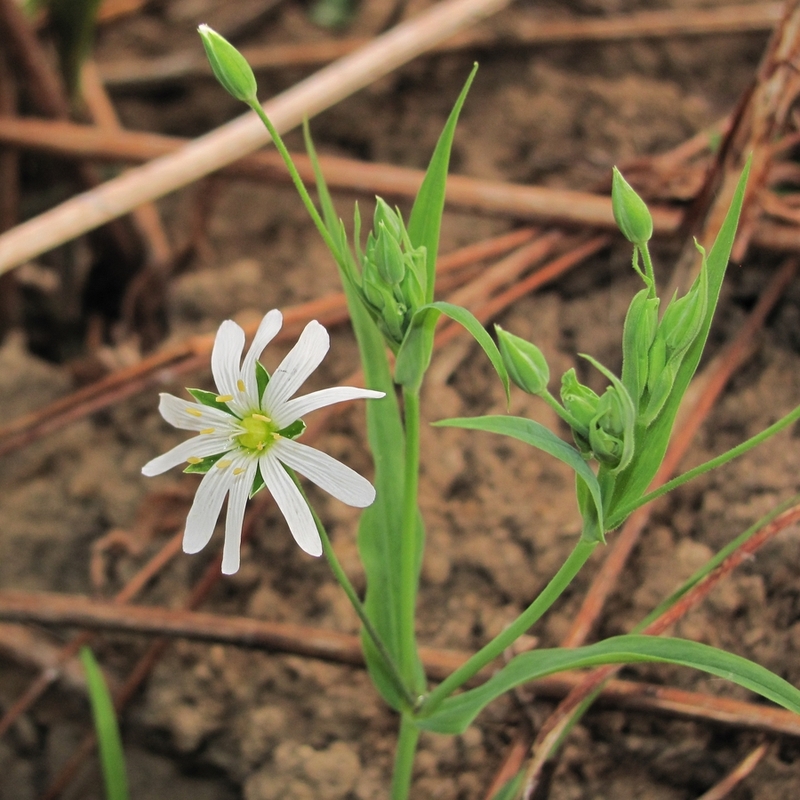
[259,433]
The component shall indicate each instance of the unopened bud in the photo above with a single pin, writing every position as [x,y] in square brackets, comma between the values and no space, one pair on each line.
[229,66]
[388,256]
[630,211]
[524,361]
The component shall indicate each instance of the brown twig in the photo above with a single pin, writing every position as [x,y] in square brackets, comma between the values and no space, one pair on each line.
[120,195]
[51,609]
[722,789]
[524,32]
[485,196]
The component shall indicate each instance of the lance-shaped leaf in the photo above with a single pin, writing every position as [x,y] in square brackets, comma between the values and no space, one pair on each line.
[425,221]
[538,436]
[457,712]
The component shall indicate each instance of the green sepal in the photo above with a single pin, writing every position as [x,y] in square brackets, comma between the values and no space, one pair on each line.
[209,399]
[258,483]
[297,428]
[262,379]
[205,465]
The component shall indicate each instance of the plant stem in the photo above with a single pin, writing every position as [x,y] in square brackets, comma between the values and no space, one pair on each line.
[648,267]
[404,758]
[577,558]
[619,516]
[349,590]
[296,179]
[408,544]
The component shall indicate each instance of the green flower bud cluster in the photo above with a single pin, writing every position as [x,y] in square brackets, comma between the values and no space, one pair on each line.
[653,351]
[602,425]
[393,274]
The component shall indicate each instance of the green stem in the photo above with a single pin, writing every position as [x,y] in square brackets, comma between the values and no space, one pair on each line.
[349,590]
[408,545]
[625,511]
[296,179]
[577,558]
[404,758]
[648,267]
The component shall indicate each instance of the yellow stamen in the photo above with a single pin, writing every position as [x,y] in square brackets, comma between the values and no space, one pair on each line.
[261,417]
[224,398]
[207,430]
[260,446]
[238,471]
[240,385]
[194,460]
[226,462]
[276,436]
[195,412]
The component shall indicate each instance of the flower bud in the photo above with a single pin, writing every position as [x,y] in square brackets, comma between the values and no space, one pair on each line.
[630,211]
[384,215]
[638,333]
[524,361]
[683,318]
[229,65]
[388,256]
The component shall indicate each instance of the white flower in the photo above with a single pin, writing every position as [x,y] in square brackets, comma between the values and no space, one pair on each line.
[243,431]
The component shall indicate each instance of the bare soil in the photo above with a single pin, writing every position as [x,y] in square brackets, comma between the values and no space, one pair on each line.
[217,723]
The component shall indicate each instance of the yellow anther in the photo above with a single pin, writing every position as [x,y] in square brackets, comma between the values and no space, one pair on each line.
[224,398]
[207,430]
[224,464]
[195,412]
[276,436]
[261,417]
[194,460]
[240,385]
[238,471]
[260,446]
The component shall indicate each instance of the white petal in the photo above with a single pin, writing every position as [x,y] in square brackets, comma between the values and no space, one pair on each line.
[196,447]
[299,363]
[237,500]
[226,357]
[294,409]
[329,474]
[191,416]
[205,509]
[291,503]
[266,332]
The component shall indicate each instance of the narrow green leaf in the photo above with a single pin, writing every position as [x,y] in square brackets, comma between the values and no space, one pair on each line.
[538,436]
[379,530]
[457,712]
[112,758]
[511,788]
[425,221]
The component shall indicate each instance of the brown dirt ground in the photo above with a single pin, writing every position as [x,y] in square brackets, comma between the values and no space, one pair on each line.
[217,723]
